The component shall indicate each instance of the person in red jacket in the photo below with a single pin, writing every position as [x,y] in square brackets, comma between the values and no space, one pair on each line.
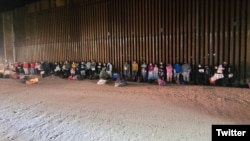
[32,68]
[26,67]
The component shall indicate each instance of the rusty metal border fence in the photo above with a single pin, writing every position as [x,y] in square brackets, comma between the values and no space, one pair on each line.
[196,31]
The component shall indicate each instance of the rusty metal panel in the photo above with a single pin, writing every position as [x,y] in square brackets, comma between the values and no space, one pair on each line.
[231,27]
[1,42]
[247,47]
[189,31]
[45,4]
[206,31]
[236,36]
[60,3]
[226,32]
[211,34]
[194,31]
[242,37]
[8,37]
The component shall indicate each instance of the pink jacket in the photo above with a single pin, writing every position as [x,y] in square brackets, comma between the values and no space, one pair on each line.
[169,68]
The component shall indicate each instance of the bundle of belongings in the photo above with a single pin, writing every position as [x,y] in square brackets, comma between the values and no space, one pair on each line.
[72,77]
[5,73]
[31,81]
[15,76]
[120,83]
[27,80]
[101,82]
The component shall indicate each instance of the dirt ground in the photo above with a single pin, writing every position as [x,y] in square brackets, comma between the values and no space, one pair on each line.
[72,110]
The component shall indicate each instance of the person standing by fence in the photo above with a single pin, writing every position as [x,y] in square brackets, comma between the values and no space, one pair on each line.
[134,70]
[126,71]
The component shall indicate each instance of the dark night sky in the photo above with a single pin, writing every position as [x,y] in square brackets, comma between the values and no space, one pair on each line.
[6,5]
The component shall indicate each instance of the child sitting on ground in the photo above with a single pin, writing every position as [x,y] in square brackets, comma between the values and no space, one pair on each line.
[161,82]
[72,72]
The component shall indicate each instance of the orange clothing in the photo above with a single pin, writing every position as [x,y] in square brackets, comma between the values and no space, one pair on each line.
[134,67]
[25,65]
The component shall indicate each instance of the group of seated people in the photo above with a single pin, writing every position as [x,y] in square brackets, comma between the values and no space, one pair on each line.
[73,69]
[221,74]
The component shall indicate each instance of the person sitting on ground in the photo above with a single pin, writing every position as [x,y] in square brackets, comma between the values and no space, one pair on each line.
[161,82]
[72,72]
[120,83]
[103,76]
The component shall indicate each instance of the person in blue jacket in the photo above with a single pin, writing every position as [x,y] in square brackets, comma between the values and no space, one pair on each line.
[177,72]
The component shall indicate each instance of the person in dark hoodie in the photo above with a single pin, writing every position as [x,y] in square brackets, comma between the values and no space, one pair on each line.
[199,74]
[93,70]
[161,71]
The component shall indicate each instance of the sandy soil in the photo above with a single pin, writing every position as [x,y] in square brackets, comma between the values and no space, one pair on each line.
[63,110]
